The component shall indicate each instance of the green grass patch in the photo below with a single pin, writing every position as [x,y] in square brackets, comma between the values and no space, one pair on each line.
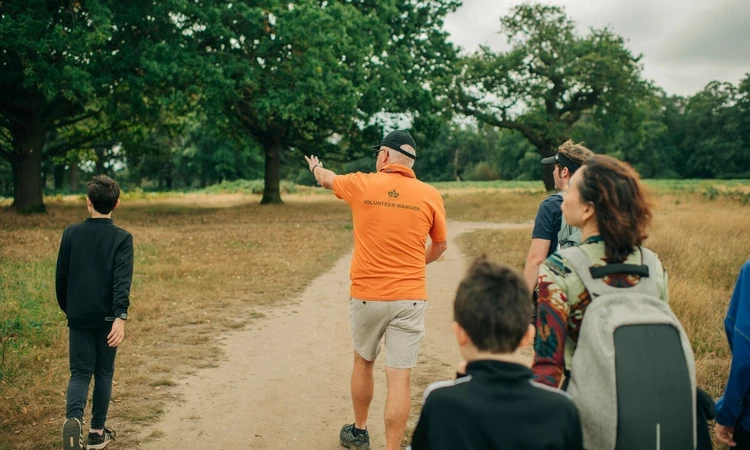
[496,184]
[29,314]
[664,186]
[695,185]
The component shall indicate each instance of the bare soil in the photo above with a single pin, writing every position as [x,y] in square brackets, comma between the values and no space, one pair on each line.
[284,381]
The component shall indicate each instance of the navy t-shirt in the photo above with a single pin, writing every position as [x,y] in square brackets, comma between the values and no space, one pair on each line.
[548,221]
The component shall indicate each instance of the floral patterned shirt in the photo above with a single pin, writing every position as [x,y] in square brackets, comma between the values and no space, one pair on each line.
[562,301]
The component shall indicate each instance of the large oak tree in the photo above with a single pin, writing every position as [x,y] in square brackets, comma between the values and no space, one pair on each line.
[307,74]
[550,79]
[67,61]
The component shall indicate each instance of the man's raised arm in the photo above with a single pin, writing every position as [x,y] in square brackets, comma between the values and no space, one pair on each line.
[323,176]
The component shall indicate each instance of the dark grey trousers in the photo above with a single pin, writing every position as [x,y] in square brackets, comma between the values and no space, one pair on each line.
[90,355]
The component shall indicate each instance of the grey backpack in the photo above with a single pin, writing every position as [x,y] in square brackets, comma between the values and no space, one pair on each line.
[633,371]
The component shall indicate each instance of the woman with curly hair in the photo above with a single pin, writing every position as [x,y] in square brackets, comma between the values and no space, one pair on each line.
[608,202]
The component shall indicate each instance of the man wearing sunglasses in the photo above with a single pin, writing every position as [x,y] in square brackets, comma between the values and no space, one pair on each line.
[545,237]
[393,214]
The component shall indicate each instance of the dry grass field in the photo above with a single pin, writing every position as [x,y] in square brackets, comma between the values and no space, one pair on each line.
[701,239]
[204,262]
[201,264]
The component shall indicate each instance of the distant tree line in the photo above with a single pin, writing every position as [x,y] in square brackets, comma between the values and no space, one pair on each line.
[172,95]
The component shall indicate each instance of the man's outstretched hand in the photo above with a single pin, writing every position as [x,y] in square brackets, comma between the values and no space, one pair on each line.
[313,161]
[322,176]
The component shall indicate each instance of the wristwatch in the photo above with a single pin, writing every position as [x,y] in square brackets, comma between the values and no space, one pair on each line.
[123,316]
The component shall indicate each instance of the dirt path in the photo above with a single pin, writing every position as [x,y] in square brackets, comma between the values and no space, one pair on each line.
[285,381]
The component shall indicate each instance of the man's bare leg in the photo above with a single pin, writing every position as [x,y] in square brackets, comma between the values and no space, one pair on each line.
[362,389]
[396,406]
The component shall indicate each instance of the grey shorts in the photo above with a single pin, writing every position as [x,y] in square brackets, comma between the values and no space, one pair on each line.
[402,323]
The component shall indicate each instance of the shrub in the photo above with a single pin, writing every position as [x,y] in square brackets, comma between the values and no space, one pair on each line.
[481,171]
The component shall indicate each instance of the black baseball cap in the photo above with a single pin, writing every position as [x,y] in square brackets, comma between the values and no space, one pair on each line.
[396,139]
[562,160]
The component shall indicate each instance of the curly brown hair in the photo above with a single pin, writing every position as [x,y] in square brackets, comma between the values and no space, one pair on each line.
[575,152]
[622,203]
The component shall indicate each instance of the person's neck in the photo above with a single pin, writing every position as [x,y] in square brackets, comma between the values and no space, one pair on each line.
[589,229]
[96,215]
[564,181]
[477,355]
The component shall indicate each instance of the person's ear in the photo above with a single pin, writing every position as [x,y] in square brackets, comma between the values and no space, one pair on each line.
[564,172]
[88,202]
[528,337]
[461,336]
[588,212]
[117,204]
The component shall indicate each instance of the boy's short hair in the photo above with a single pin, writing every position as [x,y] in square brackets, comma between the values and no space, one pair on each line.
[103,192]
[493,305]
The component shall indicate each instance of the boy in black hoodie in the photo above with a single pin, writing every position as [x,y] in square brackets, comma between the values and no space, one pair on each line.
[494,404]
[94,272]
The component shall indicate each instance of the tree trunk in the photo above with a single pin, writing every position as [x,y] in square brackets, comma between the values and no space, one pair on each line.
[27,170]
[100,159]
[272,189]
[547,169]
[74,176]
[455,165]
[59,174]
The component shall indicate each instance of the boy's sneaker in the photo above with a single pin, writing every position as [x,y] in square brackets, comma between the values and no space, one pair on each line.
[73,435]
[352,442]
[97,441]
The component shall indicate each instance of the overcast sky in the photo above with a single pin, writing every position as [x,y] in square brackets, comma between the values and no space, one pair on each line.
[685,43]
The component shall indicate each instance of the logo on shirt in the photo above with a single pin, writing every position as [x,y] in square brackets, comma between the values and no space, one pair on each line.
[393,194]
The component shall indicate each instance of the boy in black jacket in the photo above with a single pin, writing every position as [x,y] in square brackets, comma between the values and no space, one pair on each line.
[94,272]
[495,405]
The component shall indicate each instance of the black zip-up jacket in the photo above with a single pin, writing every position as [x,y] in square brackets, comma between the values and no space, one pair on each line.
[496,406]
[94,272]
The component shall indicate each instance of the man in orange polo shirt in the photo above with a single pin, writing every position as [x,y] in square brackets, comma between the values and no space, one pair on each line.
[393,213]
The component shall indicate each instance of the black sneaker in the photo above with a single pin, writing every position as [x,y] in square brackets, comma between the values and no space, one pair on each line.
[97,441]
[73,435]
[348,440]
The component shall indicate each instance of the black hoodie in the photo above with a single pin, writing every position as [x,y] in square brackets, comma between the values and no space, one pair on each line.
[94,272]
[496,406]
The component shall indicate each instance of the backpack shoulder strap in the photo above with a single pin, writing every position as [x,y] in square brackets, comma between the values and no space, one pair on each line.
[654,267]
[581,264]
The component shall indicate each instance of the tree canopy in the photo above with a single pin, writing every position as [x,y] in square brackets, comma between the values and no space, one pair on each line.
[69,61]
[550,79]
[313,75]
[179,93]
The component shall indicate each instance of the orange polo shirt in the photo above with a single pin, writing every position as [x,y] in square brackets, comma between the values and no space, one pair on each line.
[393,213]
